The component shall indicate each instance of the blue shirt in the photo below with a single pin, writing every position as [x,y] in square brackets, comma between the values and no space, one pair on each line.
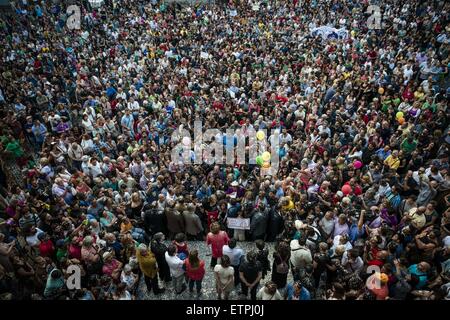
[38,11]
[110,92]
[280,193]
[304,293]
[421,275]
[329,95]
[39,132]
[382,154]
[355,233]
[203,194]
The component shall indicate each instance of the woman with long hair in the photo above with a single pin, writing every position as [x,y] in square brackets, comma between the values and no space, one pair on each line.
[280,267]
[195,271]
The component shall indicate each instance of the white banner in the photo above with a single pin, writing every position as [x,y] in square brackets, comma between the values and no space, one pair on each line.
[329,33]
[238,223]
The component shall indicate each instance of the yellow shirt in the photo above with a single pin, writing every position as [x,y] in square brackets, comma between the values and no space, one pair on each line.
[289,206]
[392,162]
[417,220]
[419,95]
[147,264]
[125,227]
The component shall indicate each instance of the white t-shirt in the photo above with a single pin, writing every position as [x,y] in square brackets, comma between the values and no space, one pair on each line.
[408,73]
[33,240]
[327,225]
[337,242]
[175,265]
[87,145]
[438,177]
[263,295]
[59,190]
[95,170]
[224,273]
[234,254]
[87,124]
[133,106]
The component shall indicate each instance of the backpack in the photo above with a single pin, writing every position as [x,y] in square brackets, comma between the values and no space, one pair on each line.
[283,267]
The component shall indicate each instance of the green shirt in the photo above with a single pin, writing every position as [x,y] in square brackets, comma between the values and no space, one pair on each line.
[427,105]
[4,140]
[386,105]
[61,253]
[408,147]
[110,185]
[14,147]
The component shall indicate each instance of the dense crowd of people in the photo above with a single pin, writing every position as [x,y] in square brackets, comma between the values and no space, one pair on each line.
[359,208]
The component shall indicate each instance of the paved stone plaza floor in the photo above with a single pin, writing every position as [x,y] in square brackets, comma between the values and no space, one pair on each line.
[208,284]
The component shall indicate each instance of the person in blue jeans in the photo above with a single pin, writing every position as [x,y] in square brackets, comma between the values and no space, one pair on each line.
[195,271]
[296,291]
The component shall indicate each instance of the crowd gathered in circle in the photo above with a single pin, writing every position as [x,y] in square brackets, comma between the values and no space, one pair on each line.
[359,207]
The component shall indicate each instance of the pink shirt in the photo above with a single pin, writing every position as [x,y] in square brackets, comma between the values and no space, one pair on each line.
[109,267]
[217,241]
[89,255]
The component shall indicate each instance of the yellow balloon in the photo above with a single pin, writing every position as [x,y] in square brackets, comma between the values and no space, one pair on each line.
[380,90]
[260,135]
[266,165]
[266,156]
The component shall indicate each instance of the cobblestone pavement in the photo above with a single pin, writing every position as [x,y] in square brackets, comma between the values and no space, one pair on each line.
[208,284]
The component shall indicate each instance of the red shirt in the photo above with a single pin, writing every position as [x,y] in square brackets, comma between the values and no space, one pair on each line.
[37,64]
[212,216]
[408,94]
[217,241]
[381,293]
[282,99]
[74,252]
[357,190]
[181,247]
[375,261]
[217,105]
[372,55]
[197,273]
[46,248]
[366,119]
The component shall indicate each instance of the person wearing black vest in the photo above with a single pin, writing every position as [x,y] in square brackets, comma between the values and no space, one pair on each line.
[159,250]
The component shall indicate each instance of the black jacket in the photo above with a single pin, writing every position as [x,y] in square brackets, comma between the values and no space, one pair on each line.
[275,225]
[159,249]
[155,222]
